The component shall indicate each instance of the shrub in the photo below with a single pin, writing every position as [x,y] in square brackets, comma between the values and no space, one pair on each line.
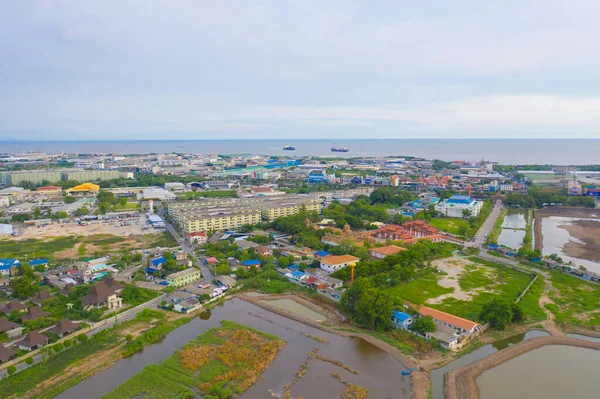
[68,343]
[29,361]
[11,370]
[82,338]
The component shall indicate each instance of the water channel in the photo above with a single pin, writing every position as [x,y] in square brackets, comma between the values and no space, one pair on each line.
[437,376]
[513,230]
[379,372]
[550,372]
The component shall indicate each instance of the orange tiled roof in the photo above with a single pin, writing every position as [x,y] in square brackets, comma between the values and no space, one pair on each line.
[448,318]
[388,250]
[336,260]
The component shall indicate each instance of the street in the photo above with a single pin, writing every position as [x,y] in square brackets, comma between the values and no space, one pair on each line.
[208,276]
[488,225]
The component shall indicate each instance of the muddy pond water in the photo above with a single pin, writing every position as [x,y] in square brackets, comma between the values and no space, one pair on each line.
[550,372]
[437,376]
[378,371]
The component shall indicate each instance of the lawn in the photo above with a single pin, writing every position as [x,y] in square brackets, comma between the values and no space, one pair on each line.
[220,363]
[420,289]
[450,225]
[130,206]
[35,248]
[505,283]
[575,301]
[530,302]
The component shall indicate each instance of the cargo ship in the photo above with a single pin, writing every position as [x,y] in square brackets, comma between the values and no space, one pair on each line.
[288,148]
[343,149]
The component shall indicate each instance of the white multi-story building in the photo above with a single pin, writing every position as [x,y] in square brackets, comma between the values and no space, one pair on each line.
[455,205]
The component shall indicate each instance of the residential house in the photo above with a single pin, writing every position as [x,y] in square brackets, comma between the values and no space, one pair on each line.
[199,237]
[38,262]
[7,325]
[67,289]
[64,327]
[41,297]
[227,281]
[33,340]
[181,257]
[104,294]
[13,306]
[382,252]
[321,254]
[185,277]
[6,353]
[8,266]
[245,244]
[464,326]
[263,250]
[401,319]
[298,275]
[333,263]
[249,263]
[210,261]
[187,306]
[34,313]
[333,282]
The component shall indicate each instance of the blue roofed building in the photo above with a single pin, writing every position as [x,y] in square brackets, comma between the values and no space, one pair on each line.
[38,262]
[297,275]
[455,206]
[7,264]
[158,262]
[401,319]
[249,263]
[322,254]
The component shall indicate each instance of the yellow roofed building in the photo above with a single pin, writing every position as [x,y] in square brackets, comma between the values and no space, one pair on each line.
[85,188]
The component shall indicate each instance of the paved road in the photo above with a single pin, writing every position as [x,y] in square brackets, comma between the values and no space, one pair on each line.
[190,250]
[488,225]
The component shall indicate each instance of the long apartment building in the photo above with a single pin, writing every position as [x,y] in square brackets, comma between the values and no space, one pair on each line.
[232,213]
[55,175]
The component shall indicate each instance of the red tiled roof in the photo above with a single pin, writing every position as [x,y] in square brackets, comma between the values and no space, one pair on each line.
[336,260]
[448,318]
[388,250]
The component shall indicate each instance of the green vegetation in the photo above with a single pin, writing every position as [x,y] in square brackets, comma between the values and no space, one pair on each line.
[221,362]
[420,289]
[530,303]
[192,195]
[451,225]
[153,335]
[18,384]
[424,324]
[500,313]
[497,230]
[127,206]
[537,197]
[575,301]
[164,240]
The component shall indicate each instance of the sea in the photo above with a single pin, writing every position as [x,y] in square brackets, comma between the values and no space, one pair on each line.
[508,151]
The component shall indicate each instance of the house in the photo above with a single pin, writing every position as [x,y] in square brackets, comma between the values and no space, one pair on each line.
[96,264]
[332,263]
[64,327]
[41,297]
[321,254]
[227,281]
[382,252]
[6,353]
[187,306]
[185,277]
[333,282]
[210,261]
[249,263]
[67,289]
[7,325]
[13,306]
[298,275]
[34,313]
[8,266]
[33,340]
[157,263]
[401,319]
[49,190]
[181,256]
[465,326]
[199,237]
[103,294]
[38,262]
[263,250]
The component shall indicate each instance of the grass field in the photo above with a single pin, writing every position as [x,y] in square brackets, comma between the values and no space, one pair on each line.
[530,302]
[420,289]
[449,225]
[190,195]
[130,206]
[492,281]
[220,363]
[164,240]
[37,248]
[575,301]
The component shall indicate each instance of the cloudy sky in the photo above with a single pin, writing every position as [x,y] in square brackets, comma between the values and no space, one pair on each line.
[299,69]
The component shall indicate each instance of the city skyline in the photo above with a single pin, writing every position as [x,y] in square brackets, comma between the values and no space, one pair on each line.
[309,70]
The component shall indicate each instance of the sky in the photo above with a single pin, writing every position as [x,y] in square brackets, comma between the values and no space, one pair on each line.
[263,69]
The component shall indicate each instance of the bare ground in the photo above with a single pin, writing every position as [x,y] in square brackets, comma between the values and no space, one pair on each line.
[453,267]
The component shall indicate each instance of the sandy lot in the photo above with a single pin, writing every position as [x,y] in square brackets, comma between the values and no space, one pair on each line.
[587,232]
[93,228]
[453,267]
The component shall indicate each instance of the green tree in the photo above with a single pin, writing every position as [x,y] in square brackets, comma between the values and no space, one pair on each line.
[466,213]
[70,199]
[424,324]
[500,313]
[25,286]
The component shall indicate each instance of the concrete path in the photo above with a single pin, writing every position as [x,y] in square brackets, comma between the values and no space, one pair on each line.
[488,225]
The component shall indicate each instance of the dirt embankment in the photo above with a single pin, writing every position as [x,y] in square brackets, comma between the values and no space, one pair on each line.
[587,232]
[537,230]
[567,211]
[462,383]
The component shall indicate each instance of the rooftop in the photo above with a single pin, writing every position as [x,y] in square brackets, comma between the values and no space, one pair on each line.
[448,318]
[183,273]
[401,315]
[336,260]
[388,250]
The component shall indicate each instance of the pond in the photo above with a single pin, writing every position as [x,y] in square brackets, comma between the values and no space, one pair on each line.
[296,308]
[511,238]
[378,371]
[514,220]
[437,376]
[584,337]
[573,239]
[540,374]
